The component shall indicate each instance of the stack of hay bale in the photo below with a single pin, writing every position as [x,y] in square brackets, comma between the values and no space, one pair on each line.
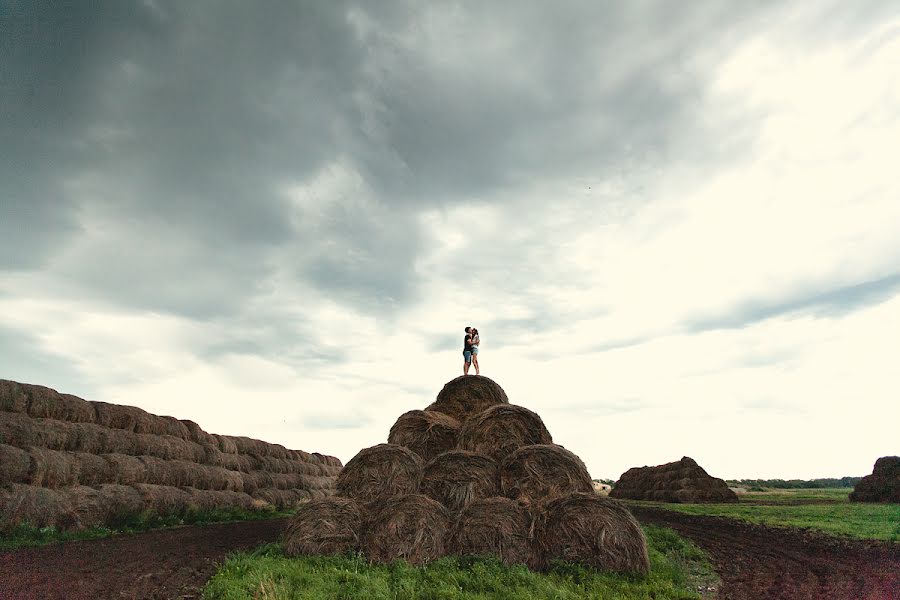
[470,474]
[70,463]
[683,481]
[883,485]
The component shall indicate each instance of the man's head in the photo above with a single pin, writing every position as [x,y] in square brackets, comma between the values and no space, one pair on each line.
[468,330]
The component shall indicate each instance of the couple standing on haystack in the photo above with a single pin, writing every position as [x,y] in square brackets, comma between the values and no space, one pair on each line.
[470,350]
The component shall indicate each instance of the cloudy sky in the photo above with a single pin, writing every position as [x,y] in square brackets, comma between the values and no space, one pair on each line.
[676,225]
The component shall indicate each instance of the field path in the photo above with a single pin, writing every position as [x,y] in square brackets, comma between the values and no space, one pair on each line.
[168,563]
[757,562]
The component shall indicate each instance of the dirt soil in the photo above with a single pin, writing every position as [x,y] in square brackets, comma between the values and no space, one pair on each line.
[170,563]
[757,562]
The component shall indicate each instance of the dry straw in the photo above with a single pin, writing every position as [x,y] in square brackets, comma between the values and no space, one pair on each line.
[683,481]
[15,465]
[327,526]
[502,429]
[427,433]
[36,506]
[459,477]
[467,395]
[595,531]
[497,526]
[379,473]
[52,468]
[49,404]
[12,396]
[412,528]
[537,474]
[883,485]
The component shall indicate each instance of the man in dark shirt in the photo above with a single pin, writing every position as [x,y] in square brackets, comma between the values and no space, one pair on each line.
[467,351]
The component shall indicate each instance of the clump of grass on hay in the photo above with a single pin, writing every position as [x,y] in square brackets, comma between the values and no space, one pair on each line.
[537,474]
[497,526]
[591,530]
[412,528]
[501,430]
[468,395]
[327,526]
[458,477]
[427,433]
[380,472]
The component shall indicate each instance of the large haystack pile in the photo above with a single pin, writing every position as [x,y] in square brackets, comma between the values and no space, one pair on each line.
[70,463]
[683,482]
[883,485]
[471,474]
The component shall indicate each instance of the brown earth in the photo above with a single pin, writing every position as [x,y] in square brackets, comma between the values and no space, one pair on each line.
[757,562]
[170,563]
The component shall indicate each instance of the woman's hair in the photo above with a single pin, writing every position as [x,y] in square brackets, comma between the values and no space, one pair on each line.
[474,331]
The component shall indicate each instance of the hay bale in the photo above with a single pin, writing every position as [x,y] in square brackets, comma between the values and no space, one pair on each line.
[162,425]
[15,465]
[87,505]
[459,477]
[93,469]
[883,485]
[412,528]
[168,447]
[198,435]
[427,433]
[52,468]
[87,437]
[35,506]
[280,499]
[588,529]
[683,481]
[468,395]
[536,474]
[497,526]
[226,444]
[50,404]
[12,397]
[328,526]
[120,503]
[21,431]
[118,416]
[501,430]
[380,472]
[117,441]
[125,470]
[164,500]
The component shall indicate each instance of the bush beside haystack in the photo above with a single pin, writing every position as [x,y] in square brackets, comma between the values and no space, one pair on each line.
[459,477]
[537,474]
[327,526]
[381,472]
[468,395]
[883,485]
[497,526]
[501,430]
[595,531]
[412,528]
[683,481]
[427,433]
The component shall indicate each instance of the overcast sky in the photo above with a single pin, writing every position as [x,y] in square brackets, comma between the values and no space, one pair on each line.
[676,225]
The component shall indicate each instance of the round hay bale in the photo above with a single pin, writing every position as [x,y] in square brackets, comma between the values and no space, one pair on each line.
[51,468]
[459,477]
[212,456]
[86,437]
[197,434]
[93,469]
[46,403]
[328,526]
[412,528]
[36,506]
[15,465]
[126,470]
[536,474]
[226,444]
[497,526]
[427,433]
[502,429]
[21,431]
[164,500]
[380,472]
[168,447]
[117,416]
[280,499]
[12,396]
[87,505]
[467,395]
[594,531]
[120,503]
[117,441]
[162,425]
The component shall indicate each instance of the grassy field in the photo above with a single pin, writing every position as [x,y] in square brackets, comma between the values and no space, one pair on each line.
[678,569]
[29,536]
[826,510]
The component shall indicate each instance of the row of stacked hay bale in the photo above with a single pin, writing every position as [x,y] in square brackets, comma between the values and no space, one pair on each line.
[883,485]
[470,474]
[683,481]
[71,463]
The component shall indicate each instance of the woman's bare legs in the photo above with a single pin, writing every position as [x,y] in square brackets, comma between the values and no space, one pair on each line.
[475,363]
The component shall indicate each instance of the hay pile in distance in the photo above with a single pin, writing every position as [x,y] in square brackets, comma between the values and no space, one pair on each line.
[328,526]
[427,433]
[591,530]
[502,429]
[883,485]
[497,526]
[412,528]
[379,473]
[459,477]
[537,474]
[683,481]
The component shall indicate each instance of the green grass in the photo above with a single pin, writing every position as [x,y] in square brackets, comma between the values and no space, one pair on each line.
[678,568]
[26,535]
[824,510]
